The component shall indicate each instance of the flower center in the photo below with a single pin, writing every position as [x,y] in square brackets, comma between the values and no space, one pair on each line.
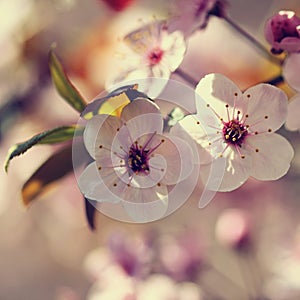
[155,56]
[234,132]
[138,159]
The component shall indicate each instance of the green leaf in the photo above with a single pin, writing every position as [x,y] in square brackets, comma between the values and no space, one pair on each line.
[52,136]
[63,85]
[53,169]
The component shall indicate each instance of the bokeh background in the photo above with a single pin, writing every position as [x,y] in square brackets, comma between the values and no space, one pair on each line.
[244,245]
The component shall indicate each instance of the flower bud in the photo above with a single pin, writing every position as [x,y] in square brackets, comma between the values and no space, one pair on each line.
[282,31]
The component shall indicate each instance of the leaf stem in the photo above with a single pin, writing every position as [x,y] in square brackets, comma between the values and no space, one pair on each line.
[189,79]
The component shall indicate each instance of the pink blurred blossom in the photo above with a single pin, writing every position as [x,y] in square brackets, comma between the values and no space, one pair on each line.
[233,229]
[189,16]
[152,52]
[134,255]
[182,256]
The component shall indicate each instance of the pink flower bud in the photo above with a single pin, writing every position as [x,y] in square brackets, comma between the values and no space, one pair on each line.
[282,31]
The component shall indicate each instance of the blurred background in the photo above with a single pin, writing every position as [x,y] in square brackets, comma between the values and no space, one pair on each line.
[244,245]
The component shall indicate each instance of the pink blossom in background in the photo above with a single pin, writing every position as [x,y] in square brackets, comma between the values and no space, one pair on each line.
[189,16]
[182,256]
[154,52]
[242,132]
[134,254]
[233,229]
[282,31]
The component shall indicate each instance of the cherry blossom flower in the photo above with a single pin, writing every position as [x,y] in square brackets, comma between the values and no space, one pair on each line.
[290,71]
[182,256]
[154,53]
[282,31]
[135,162]
[134,254]
[242,131]
[292,121]
[192,15]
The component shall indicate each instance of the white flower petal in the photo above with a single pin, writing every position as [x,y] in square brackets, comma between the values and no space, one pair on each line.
[187,160]
[293,121]
[139,107]
[273,158]
[237,170]
[92,186]
[140,126]
[267,107]
[200,155]
[174,155]
[100,130]
[146,205]
[205,137]
[174,48]
[160,70]
[217,91]
[144,38]
[290,70]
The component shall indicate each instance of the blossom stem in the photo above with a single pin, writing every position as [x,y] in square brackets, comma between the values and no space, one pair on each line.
[251,39]
[186,77]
